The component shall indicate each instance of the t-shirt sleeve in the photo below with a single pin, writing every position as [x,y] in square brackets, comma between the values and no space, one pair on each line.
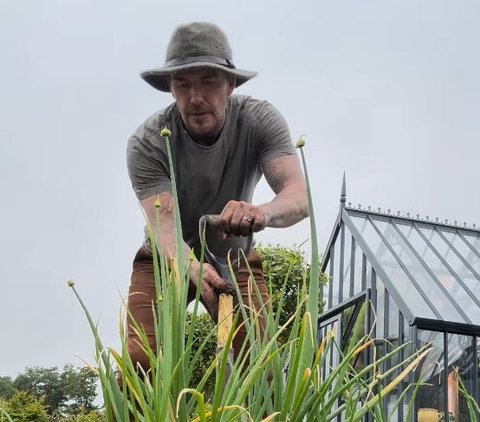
[147,164]
[273,135]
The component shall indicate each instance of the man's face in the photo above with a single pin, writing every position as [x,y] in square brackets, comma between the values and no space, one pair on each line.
[201,97]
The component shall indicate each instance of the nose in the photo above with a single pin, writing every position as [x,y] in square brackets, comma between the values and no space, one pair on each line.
[196,96]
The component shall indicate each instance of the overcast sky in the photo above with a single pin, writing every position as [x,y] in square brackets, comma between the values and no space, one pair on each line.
[388,91]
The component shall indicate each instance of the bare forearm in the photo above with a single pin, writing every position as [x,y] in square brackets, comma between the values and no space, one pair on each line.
[167,243]
[160,214]
[288,208]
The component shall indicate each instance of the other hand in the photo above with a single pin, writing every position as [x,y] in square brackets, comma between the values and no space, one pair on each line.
[211,285]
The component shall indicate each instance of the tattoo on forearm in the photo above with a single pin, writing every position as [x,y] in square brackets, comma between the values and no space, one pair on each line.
[275,175]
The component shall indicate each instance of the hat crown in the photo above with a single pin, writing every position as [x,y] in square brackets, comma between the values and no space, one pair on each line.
[195,46]
[198,39]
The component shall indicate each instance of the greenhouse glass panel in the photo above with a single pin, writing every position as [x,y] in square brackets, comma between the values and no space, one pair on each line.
[337,270]
[359,271]
[396,274]
[326,288]
[459,267]
[332,357]
[433,393]
[474,241]
[392,338]
[347,265]
[380,311]
[462,370]
[331,275]
[459,289]
[438,296]
[464,249]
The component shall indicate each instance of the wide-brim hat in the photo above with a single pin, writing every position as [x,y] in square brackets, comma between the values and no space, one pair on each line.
[194,46]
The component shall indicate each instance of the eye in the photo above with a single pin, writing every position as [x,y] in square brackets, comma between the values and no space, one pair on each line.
[181,83]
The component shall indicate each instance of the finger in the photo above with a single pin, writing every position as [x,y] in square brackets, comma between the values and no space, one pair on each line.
[259,222]
[213,279]
[226,216]
[242,219]
[210,300]
[246,226]
[240,211]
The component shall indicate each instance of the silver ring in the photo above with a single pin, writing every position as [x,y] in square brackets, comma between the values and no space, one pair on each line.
[249,219]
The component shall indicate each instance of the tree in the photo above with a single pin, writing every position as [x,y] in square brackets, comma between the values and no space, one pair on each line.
[6,387]
[80,388]
[23,407]
[42,383]
[64,393]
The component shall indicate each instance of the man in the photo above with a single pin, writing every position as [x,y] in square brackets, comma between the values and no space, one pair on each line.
[221,145]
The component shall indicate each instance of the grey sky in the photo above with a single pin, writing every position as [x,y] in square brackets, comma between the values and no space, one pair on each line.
[386,90]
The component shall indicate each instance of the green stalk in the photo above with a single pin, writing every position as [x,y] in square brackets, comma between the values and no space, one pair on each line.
[4,414]
[176,209]
[411,367]
[109,379]
[313,292]
[180,286]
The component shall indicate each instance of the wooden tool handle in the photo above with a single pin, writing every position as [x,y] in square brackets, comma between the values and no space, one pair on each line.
[225,318]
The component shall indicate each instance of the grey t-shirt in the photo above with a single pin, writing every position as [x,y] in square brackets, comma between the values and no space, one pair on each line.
[207,176]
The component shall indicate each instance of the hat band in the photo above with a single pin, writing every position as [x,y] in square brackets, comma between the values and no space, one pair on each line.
[208,59]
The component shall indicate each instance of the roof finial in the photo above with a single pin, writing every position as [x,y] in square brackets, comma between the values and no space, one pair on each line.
[343,193]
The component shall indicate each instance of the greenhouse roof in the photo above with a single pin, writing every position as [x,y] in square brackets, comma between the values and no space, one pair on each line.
[431,268]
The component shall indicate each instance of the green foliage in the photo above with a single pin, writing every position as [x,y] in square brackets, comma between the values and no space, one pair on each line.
[7,390]
[290,381]
[82,415]
[80,389]
[201,330]
[286,270]
[61,393]
[42,383]
[23,407]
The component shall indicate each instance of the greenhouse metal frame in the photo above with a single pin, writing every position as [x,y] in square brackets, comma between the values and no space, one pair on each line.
[422,279]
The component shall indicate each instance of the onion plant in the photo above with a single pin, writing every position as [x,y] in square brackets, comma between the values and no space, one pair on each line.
[271,380]
[4,416]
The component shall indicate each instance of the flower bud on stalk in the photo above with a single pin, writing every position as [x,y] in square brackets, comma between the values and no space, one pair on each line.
[300,143]
[165,133]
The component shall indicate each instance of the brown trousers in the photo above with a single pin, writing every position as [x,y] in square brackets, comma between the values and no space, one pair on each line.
[142,295]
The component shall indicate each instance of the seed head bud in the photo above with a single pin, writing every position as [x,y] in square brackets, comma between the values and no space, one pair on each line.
[157,203]
[300,143]
[70,283]
[165,133]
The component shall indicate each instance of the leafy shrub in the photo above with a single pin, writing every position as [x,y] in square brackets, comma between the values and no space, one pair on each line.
[285,269]
[23,407]
[83,415]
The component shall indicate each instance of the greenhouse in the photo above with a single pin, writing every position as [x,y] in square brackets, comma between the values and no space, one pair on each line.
[421,277]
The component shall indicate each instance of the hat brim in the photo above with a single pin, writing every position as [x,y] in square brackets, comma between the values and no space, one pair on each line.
[158,78]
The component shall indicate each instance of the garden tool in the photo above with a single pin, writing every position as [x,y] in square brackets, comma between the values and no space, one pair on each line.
[218,258]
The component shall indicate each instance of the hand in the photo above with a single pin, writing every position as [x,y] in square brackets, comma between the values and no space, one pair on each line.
[211,285]
[241,218]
